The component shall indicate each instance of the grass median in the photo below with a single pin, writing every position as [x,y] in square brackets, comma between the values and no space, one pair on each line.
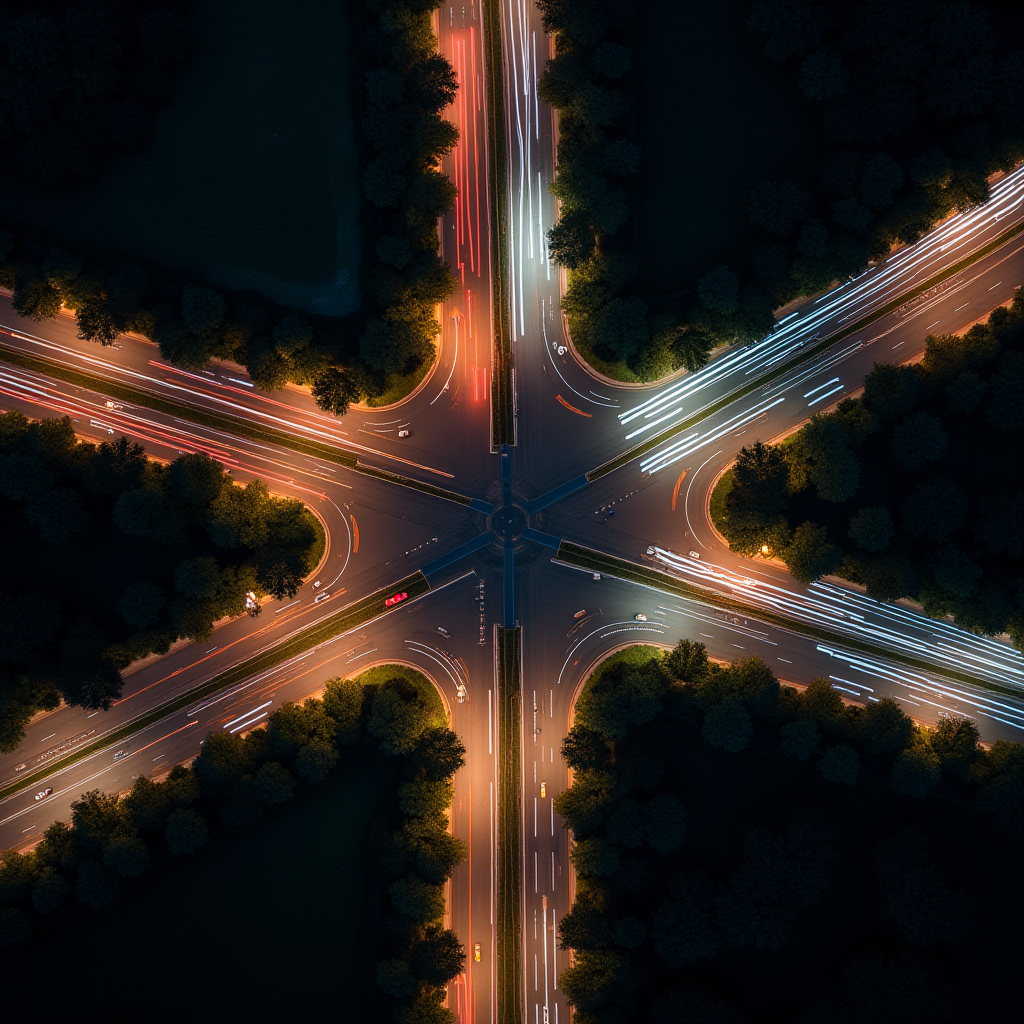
[510,937]
[608,565]
[219,421]
[354,615]
[783,368]
[503,429]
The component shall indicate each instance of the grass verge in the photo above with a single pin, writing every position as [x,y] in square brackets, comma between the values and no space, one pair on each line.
[510,938]
[719,496]
[319,632]
[503,426]
[608,565]
[783,368]
[230,424]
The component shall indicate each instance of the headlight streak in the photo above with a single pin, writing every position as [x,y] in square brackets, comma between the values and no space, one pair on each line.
[680,449]
[848,611]
[871,289]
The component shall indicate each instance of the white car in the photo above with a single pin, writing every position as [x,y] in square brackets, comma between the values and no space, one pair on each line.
[640,617]
[403,433]
[44,793]
[695,554]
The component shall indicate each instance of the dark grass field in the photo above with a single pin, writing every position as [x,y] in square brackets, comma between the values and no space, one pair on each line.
[251,176]
[713,119]
[272,922]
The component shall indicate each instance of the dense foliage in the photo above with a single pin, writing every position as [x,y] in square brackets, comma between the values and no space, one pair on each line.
[918,107]
[112,840]
[906,490]
[109,556]
[408,84]
[674,900]
[81,79]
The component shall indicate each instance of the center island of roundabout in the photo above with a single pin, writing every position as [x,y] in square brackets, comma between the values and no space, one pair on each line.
[511,680]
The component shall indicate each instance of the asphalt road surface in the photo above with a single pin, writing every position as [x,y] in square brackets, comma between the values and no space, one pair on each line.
[495,564]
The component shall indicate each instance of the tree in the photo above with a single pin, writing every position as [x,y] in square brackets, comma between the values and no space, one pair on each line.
[145,512]
[395,977]
[439,957]
[571,240]
[241,516]
[96,886]
[97,817]
[935,510]
[50,892]
[799,739]
[682,927]
[273,784]
[422,902]
[1003,799]
[422,797]
[595,857]
[622,697]
[664,822]
[792,26]
[890,391]
[196,479]
[126,855]
[397,717]
[621,158]
[334,390]
[955,572]
[186,831]
[915,894]
[840,765]
[822,76]
[583,749]
[756,504]
[688,661]
[916,771]
[811,555]
[774,206]
[343,702]
[315,761]
[691,1003]
[999,526]
[220,765]
[871,529]
[692,346]
[148,804]
[955,742]
[720,290]
[427,842]
[15,926]
[141,604]
[629,932]
[620,327]
[58,514]
[813,240]
[918,439]
[880,180]
[202,310]
[626,824]
[439,754]
[584,804]
[116,466]
[727,726]
[588,984]
[294,725]
[884,727]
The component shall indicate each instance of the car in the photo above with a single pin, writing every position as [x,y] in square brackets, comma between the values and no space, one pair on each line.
[580,613]
[476,951]
[395,599]
[321,597]
[444,632]
[44,793]
[317,584]
[403,433]
[640,617]
[695,554]
[121,754]
[543,790]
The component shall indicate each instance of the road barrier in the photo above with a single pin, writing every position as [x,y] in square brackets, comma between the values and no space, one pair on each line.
[220,421]
[783,368]
[503,426]
[349,618]
[577,556]
[507,654]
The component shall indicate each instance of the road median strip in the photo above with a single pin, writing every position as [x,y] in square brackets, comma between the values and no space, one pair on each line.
[507,654]
[577,556]
[502,397]
[783,368]
[356,614]
[220,421]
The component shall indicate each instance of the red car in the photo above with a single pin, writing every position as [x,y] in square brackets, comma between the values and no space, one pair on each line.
[394,599]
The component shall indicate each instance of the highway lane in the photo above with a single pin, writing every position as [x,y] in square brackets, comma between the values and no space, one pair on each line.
[560,652]
[408,635]
[377,532]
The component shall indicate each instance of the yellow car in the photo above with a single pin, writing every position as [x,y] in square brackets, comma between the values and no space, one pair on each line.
[543,790]
[476,951]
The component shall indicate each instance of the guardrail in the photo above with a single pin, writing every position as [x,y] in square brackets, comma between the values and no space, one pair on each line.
[507,655]
[580,557]
[783,368]
[356,614]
